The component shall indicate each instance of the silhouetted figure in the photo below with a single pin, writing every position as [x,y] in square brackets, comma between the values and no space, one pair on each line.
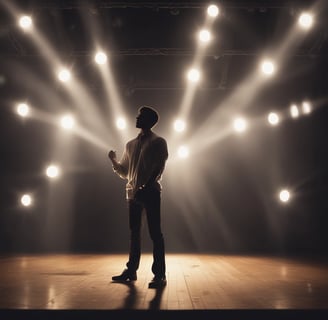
[142,164]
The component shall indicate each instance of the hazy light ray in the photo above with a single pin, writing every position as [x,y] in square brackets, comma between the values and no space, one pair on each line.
[77,91]
[196,201]
[190,91]
[78,130]
[245,93]
[114,102]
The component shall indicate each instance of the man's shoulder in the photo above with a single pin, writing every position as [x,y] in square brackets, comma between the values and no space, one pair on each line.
[158,141]
[157,138]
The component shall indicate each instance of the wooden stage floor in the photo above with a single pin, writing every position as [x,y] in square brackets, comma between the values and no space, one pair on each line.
[217,284]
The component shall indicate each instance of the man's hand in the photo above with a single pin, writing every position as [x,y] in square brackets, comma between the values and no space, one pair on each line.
[140,193]
[112,155]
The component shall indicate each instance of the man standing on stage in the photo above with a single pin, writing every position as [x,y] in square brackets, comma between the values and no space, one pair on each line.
[142,164]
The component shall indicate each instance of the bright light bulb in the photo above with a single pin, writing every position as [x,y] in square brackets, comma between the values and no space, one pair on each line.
[25,22]
[52,171]
[26,200]
[193,75]
[64,75]
[294,112]
[240,124]
[273,118]
[67,122]
[179,125]
[267,67]
[305,20]
[284,195]
[204,36]
[212,10]
[183,152]
[306,107]
[23,109]
[101,58]
[121,123]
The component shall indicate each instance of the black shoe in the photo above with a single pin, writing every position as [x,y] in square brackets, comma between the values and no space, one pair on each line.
[157,282]
[125,276]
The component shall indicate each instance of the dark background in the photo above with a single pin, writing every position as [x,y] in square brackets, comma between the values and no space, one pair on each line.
[224,197]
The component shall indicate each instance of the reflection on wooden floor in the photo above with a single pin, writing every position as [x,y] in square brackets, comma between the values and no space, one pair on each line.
[195,282]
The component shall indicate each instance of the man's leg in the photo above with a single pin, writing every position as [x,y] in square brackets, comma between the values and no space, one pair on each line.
[135,215]
[153,211]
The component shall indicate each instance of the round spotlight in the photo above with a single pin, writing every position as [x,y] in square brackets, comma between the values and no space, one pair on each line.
[64,75]
[179,125]
[52,171]
[284,195]
[25,22]
[101,58]
[240,125]
[183,152]
[294,112]
[204,36]
[267,67]
[67,122]
[23,109]
[121,123]
[306,107]
[212,10]
[193,75]
[305,20]
[273,118]
[26,200]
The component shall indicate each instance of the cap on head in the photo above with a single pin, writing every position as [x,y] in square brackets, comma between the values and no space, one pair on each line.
[150,114]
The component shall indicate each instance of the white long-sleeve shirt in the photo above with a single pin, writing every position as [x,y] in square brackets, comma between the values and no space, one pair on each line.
[142,157]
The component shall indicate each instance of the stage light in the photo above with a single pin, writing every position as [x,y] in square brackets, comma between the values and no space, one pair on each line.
[267,67]
[67,122]
[305,20]
[284,195]
[23,109]
[294,112]
[64,75]
[193,75]
[306,107]
[52,171]
[25,22]
[26,200]
[273,118]
[179,125]
[183,152]
[212,10]
[121,123]
[240,124]
[204,36]
[101,58]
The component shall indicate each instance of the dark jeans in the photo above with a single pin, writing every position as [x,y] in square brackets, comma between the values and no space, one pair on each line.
[151,203]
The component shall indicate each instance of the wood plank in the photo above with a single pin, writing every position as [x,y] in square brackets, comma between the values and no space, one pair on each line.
[195,282]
